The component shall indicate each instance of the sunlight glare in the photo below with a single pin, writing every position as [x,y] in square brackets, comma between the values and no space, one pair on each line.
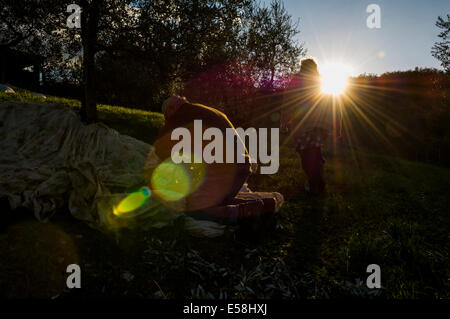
[334,78]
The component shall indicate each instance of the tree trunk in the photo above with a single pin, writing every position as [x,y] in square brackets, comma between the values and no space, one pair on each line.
[272,76]
[89,26]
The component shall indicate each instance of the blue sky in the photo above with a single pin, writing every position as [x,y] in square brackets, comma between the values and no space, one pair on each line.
[336,31]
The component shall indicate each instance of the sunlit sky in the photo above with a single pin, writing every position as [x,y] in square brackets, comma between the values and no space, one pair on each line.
[337,30]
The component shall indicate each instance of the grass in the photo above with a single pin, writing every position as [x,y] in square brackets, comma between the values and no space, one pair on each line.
[140,124]
[378,210]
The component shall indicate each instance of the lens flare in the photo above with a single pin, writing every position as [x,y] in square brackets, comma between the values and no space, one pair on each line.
[334,78]
[170,181]
[132,202]
[275,117]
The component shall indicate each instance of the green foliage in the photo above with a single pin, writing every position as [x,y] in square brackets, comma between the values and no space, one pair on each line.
[139,124]
[270,48]
[147,50]
[441,50]
[378,209]
[28,26]
[403,113]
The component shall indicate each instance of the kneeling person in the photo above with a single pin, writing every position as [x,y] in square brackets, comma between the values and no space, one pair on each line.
[204,190]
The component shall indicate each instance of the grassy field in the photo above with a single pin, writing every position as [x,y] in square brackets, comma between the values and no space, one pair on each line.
[378,210]
[137,123]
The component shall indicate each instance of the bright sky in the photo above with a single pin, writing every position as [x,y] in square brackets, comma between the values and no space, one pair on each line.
[336,31]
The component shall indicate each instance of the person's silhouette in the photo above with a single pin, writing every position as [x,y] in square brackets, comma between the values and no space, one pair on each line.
[310,117]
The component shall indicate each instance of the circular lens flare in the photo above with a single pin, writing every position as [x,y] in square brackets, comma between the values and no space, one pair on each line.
[334,78]
[170,181]
[132,202]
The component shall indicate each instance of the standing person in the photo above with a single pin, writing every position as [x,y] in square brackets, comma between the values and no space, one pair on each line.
[310,117]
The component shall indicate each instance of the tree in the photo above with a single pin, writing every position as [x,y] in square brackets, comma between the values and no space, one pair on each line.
[101,22]
[172,42]
[441,50]
[27,27]
[90,18]
[136,53]
[271,47]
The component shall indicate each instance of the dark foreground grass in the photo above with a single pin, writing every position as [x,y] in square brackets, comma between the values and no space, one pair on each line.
[378,210]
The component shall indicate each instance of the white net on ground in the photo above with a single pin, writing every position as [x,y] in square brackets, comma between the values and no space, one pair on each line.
[50,161]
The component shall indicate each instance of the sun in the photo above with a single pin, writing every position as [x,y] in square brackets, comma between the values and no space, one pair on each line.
[334,78]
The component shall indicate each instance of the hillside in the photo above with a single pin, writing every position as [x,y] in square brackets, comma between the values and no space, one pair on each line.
[378,210]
